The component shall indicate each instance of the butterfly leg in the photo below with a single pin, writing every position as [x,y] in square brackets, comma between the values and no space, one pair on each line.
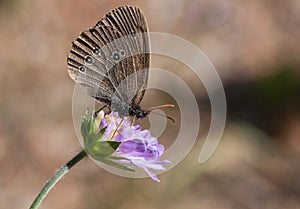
[133,120]
[118,127]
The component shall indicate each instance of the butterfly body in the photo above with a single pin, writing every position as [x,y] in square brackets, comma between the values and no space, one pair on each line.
[130,110]
[135,110]
[111,60]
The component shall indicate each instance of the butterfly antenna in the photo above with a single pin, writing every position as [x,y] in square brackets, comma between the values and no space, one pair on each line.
[168,117]
[160,106]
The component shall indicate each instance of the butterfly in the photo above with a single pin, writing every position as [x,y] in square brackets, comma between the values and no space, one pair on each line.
[111,60]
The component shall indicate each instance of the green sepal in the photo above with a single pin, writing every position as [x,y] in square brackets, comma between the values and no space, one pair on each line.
[116,165]
[88,126]
[90,131]
[84,124]
[100,149]
[117,158]
[100,133]
[97,148]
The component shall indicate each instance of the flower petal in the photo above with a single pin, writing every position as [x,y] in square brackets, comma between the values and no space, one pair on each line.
[151,174]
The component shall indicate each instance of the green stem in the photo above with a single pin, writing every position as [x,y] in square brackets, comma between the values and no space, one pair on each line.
[56,177]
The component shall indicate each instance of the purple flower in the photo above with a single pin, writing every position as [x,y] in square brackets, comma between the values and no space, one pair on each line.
[131,144]
[141,149]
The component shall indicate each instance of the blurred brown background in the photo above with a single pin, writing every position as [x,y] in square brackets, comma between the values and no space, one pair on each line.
[255,48]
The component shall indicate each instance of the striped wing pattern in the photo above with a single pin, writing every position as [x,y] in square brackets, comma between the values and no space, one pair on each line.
[111,60]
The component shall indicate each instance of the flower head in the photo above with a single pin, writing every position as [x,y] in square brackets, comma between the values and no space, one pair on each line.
[113,140]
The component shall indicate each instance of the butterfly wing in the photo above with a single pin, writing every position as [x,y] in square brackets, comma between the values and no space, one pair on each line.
[131,23]
[112,59]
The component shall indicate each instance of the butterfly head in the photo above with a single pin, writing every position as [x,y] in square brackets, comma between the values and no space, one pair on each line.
[135,110]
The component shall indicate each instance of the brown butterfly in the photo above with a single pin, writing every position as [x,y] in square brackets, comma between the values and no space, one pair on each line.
[111,60]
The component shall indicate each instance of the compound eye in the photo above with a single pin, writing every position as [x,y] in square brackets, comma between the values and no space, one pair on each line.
[140,115]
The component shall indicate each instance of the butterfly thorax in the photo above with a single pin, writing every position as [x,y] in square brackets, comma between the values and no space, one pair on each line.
[135,110]
[129,110]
